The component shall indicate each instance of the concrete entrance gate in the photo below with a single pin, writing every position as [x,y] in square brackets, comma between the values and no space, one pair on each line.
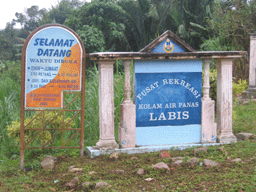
[167,84]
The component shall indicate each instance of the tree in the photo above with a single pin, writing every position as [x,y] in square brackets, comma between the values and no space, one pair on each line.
[144,20]
[32,18]
[193,20]
[230,24]
[104,16]
[93,39]
[63,10]
[7,42]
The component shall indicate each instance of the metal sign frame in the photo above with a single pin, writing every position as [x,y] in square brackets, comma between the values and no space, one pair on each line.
[63,109]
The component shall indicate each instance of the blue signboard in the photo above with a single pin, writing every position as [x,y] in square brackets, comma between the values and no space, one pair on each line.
[168,98]
[168,101]
[53,65]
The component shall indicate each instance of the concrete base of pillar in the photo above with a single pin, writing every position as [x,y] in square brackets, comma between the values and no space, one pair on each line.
[94,152]
[107,144]
[227,138]
[250,93]
[209,127]
[127,130]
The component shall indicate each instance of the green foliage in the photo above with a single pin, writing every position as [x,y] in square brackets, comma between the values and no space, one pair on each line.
[9,111]
[92,106]
[229,25]
[53,118]
[239,87]
[11,69]
[192,25]
[105,17]
[2,66]
[245,117]
[7,49]
[213,84]
[63,10]
[216,44]
[93,39]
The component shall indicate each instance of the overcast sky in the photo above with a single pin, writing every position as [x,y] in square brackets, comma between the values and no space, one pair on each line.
[10,7]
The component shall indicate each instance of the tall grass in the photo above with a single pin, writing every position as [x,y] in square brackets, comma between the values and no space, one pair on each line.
[92,102]
[10,109]
[91,135]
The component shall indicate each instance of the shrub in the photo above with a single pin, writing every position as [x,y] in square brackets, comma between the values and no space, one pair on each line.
[52,118]
[11,69]
[213,84]
[238,87]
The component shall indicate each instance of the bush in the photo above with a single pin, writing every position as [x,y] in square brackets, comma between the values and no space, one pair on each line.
[11,69]
[213,84]
[52,118]
[238,87]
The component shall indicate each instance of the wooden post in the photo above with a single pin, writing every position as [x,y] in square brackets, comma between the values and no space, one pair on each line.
[106,106]
[224,100]
[208,134]
[127,131]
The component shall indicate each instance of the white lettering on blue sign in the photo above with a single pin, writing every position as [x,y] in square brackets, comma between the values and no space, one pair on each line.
[171,112]
[170,116]
[168,98]
[148,89]
[169,81]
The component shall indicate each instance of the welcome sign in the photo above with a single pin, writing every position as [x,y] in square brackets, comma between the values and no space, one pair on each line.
[168,99]
[53,64]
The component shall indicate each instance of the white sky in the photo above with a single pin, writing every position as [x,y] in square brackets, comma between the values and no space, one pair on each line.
[10,7]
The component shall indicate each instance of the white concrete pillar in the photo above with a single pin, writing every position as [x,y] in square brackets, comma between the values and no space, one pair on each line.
[106,106]
[250,93]
[206,85]
[224,101]
[208,134]
[252,65]
[127,131]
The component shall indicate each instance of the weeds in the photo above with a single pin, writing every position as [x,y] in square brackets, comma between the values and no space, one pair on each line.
[10,108]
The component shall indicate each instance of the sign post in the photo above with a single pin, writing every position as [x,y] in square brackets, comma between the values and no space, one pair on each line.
[53,62]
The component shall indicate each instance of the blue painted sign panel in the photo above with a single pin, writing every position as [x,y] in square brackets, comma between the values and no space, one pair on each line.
[168,101]
[168,98]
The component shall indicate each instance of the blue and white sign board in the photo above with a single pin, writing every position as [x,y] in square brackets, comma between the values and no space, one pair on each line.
[168,100]
[53,65]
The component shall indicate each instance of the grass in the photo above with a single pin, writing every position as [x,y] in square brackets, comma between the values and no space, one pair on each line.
[244,120]
[229,176]
[10,108]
